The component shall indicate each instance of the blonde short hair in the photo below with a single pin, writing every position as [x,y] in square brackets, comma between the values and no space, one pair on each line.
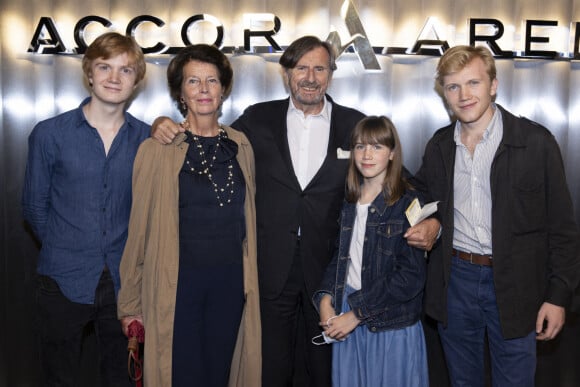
[456,58]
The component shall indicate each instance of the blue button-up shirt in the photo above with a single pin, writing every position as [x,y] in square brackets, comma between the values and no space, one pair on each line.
[78,199]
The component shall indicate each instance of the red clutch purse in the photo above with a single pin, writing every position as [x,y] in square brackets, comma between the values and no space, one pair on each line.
[136,334]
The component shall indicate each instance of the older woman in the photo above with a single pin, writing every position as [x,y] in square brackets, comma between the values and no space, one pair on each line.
[189,267]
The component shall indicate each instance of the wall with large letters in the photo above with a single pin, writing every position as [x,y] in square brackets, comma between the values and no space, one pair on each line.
[389,50]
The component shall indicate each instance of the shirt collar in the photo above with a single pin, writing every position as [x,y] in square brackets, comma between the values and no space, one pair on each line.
[324,113]
[81,119]
[379,203]
[489,131]
[80,116]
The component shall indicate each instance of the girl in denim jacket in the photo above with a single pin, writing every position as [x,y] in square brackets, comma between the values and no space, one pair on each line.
[371,295]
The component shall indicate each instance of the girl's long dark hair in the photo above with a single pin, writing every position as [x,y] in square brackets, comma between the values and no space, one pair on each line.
[377,130]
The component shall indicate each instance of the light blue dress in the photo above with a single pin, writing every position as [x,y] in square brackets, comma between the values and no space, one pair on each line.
[393,358]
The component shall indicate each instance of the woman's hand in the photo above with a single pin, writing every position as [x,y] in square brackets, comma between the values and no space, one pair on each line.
[127,320]
[326,310]
[339,327]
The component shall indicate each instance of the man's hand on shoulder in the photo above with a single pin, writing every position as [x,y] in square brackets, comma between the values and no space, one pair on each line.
[164,130]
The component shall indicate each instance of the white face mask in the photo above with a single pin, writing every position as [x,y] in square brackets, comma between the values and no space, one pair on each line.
[324,339]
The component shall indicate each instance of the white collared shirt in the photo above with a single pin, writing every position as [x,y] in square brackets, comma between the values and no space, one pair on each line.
[308,140]
[472,189]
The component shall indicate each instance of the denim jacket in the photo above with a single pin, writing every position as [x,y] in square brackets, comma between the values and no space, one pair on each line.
[393,273]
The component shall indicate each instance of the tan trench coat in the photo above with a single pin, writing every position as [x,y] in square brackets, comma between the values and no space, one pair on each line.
[150,261]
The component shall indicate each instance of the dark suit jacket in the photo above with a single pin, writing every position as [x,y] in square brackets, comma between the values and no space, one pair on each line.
[535,239]
[282,207]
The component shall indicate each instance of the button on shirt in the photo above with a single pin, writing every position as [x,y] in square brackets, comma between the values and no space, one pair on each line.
[308,140]
[78,200]
[472,189]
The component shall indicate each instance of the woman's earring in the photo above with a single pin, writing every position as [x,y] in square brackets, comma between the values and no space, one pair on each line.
[183,104]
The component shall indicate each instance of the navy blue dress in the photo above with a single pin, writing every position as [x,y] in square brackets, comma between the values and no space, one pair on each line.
[210,291]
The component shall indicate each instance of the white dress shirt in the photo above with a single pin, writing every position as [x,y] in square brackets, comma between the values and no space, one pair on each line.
[308,140]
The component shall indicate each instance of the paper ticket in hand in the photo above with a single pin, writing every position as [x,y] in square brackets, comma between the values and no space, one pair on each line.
[415,213]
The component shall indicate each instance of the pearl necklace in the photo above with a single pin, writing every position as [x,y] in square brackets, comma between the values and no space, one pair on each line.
[208,166]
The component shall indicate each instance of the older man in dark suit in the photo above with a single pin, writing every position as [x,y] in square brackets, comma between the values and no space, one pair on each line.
[300,172]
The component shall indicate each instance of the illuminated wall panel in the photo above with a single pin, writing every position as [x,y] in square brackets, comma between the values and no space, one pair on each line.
[34,86]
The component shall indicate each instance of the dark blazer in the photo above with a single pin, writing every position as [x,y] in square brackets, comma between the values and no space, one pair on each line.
[535,239]
[282,207]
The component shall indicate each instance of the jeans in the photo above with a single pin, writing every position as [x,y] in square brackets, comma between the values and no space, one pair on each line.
[61,324]
[472,312]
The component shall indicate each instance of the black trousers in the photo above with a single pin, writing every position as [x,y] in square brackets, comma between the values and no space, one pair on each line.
[61,324]
[208,310]
[289,322]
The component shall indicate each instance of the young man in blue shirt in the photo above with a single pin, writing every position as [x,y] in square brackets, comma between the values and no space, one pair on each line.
[77,198]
